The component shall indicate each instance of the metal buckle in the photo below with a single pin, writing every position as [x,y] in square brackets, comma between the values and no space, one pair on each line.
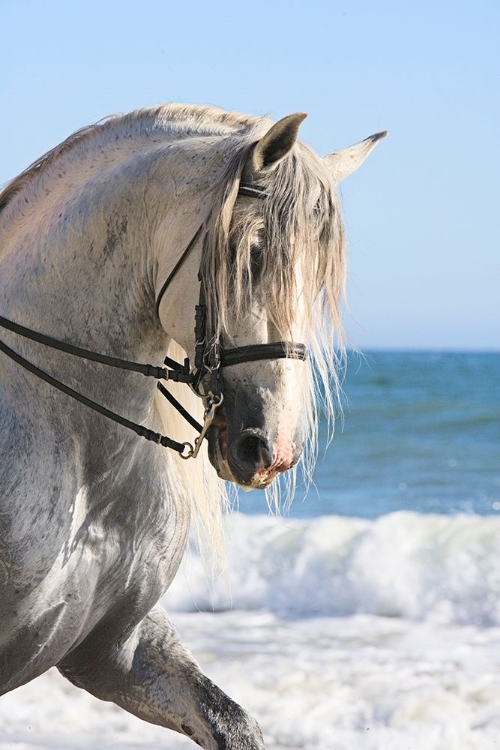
[213,404]
[190,451]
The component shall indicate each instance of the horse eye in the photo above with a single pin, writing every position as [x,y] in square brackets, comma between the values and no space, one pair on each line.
[256,257]
[256,260]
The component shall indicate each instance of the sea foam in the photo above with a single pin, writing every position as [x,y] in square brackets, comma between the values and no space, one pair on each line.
[409,565]
[336,633]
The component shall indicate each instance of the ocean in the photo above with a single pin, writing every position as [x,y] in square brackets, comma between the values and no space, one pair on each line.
[368,617]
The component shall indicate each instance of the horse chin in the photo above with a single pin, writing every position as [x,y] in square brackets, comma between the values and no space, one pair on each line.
[261,480]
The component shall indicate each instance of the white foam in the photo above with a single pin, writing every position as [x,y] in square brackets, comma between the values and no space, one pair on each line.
[446,568]
[356,683]
[345,634]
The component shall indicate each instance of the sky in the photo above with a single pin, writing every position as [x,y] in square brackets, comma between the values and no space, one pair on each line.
[422,214]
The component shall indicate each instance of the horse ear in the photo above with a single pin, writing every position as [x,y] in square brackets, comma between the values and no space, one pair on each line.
[342,163]
[274,146]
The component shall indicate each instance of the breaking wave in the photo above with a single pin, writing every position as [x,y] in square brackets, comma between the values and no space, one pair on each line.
[405,564]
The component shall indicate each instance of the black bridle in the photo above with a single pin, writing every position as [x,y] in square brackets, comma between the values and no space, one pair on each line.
[204,377]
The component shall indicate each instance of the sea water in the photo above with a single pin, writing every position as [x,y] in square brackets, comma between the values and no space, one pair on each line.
[418,432]
[366,619]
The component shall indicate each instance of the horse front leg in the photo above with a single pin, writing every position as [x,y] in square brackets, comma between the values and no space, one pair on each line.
[153,676]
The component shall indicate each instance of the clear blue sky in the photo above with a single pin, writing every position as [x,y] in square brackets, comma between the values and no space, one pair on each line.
[422,214]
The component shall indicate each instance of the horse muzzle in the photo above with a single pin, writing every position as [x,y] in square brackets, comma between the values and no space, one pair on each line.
[251,457]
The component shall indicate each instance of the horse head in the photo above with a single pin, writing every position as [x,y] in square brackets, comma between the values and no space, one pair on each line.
[271,266]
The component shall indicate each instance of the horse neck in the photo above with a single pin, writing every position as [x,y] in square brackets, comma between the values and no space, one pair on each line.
[80,265]
[80,253]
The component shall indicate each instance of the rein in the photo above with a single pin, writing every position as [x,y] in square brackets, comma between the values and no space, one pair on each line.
[210,357]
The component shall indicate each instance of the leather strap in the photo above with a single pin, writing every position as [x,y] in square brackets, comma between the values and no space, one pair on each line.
[256,352]
[140,430]
[179,373]
[179,263]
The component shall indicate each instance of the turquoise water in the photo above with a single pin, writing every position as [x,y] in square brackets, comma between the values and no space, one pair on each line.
[421,432]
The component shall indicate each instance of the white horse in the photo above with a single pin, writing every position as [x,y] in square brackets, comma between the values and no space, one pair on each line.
[105,244]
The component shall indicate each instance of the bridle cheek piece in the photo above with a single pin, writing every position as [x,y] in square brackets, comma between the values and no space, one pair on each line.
[204,377]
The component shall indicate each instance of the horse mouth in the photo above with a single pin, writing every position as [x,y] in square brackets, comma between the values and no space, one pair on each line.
[217,448]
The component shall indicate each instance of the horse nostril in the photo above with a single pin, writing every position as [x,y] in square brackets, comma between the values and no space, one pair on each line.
[252,449]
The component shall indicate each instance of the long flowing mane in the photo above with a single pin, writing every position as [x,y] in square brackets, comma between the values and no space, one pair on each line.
[301,222]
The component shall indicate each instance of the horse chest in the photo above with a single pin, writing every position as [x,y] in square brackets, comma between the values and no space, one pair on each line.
[125,546]
[113,566]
